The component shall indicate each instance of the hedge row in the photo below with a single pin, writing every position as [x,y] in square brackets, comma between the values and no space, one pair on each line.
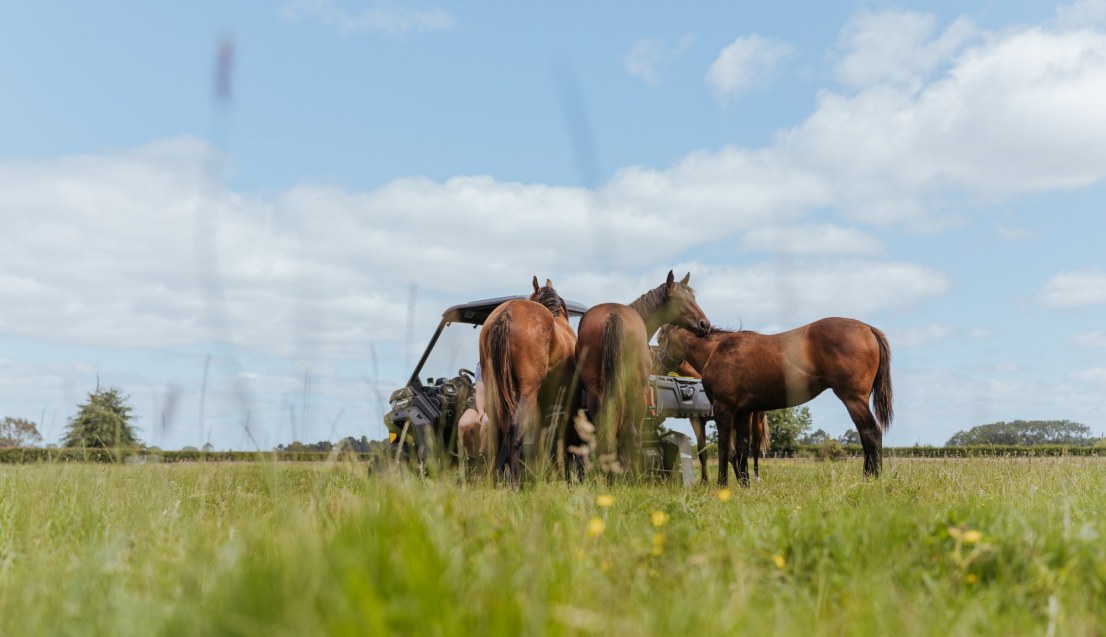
[974,451]
[31,455]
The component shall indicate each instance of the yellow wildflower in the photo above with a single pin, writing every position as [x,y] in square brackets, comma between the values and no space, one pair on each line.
[604,500]
[596,526]
[659,518]
[778,560]
[658,545]
[724,495]
[956,533]
[605,566]
[972,537]
[971,578]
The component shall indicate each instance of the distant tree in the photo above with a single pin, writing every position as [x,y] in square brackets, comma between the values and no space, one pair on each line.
[297,446]
[816,438]
[189,448]
[850,437]
[787,426]
[104,421]
[1025,433]
[17,432]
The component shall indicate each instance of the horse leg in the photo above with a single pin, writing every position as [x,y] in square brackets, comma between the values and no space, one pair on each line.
[756,465]
[630,446]
[871,436]
[740,434]
[725,423]
[524,445]
[699,426]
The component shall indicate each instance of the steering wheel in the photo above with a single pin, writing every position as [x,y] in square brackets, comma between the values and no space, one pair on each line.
[468,375]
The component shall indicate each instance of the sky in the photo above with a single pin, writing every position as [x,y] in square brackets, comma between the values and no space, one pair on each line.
[250,216]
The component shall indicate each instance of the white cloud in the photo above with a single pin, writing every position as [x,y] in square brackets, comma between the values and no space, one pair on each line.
[384,17]
[1017,113]
[649,56]
[127,249]
[811,239]
[768,293]
[745,63]
[1095,338]
[1074,289]
[923,336]
[1081,14]
[1011,233]
[1094,375]
[897,47]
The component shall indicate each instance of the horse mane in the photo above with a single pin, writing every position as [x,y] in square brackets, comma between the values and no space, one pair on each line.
[552,301]
[647,303]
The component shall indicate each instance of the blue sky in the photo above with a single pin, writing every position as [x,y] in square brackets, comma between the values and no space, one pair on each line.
[933,169]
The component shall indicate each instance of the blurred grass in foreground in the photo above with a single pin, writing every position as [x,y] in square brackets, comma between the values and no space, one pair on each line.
[964,547]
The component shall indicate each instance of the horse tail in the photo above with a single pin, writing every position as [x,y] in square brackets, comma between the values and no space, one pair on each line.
[761,437]
[610,377]
[881,386]
[501,372]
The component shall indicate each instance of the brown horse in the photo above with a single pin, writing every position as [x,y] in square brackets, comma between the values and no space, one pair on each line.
[527,354]
[745,372]
[758,421]
[613,357]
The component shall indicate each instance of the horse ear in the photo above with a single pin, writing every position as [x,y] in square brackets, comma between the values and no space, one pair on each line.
[536,288]
[548,283]
[671,277]
[687,277]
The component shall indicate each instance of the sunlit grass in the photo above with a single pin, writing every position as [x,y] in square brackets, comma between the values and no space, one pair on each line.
[934,548]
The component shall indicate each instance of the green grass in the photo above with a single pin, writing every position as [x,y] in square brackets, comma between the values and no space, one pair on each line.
[813,549]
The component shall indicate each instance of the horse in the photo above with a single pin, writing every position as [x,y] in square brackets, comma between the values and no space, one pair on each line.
[527,354]
[758,421]
[745,372]
[613,358]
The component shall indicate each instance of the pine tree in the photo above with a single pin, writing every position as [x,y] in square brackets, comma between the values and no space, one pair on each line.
[104,421]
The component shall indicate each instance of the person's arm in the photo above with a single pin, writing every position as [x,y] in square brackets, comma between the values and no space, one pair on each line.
[480,398]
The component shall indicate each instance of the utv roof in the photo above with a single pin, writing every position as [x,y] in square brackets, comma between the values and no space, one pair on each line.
[476,312]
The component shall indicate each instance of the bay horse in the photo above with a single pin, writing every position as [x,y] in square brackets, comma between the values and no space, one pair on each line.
[745,372]
[614,359]
[757,424]
[527,357]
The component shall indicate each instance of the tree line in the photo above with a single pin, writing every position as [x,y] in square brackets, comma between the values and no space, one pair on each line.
[106,421]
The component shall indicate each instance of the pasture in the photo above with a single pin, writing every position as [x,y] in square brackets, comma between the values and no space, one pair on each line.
[934,547]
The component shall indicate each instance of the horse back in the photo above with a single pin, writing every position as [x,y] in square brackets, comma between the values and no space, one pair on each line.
[845,351]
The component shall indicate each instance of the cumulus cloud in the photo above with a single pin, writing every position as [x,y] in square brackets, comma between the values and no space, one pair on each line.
[648,57]
[112,250]
[766,293]
[1016,113]
[1081,288]
[897,47]
[384,17]
[1095,375]
[1011,233]
[745,63]
[811,239]
[923,336]
[1081,14]
[1094,338]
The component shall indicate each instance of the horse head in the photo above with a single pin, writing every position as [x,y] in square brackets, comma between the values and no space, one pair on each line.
[680,307]
[671,348]
[547,296]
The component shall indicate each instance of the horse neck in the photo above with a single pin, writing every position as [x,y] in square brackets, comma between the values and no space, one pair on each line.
[698,350]
[648,306]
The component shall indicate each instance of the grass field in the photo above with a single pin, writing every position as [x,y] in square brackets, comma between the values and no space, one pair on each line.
[953,547]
